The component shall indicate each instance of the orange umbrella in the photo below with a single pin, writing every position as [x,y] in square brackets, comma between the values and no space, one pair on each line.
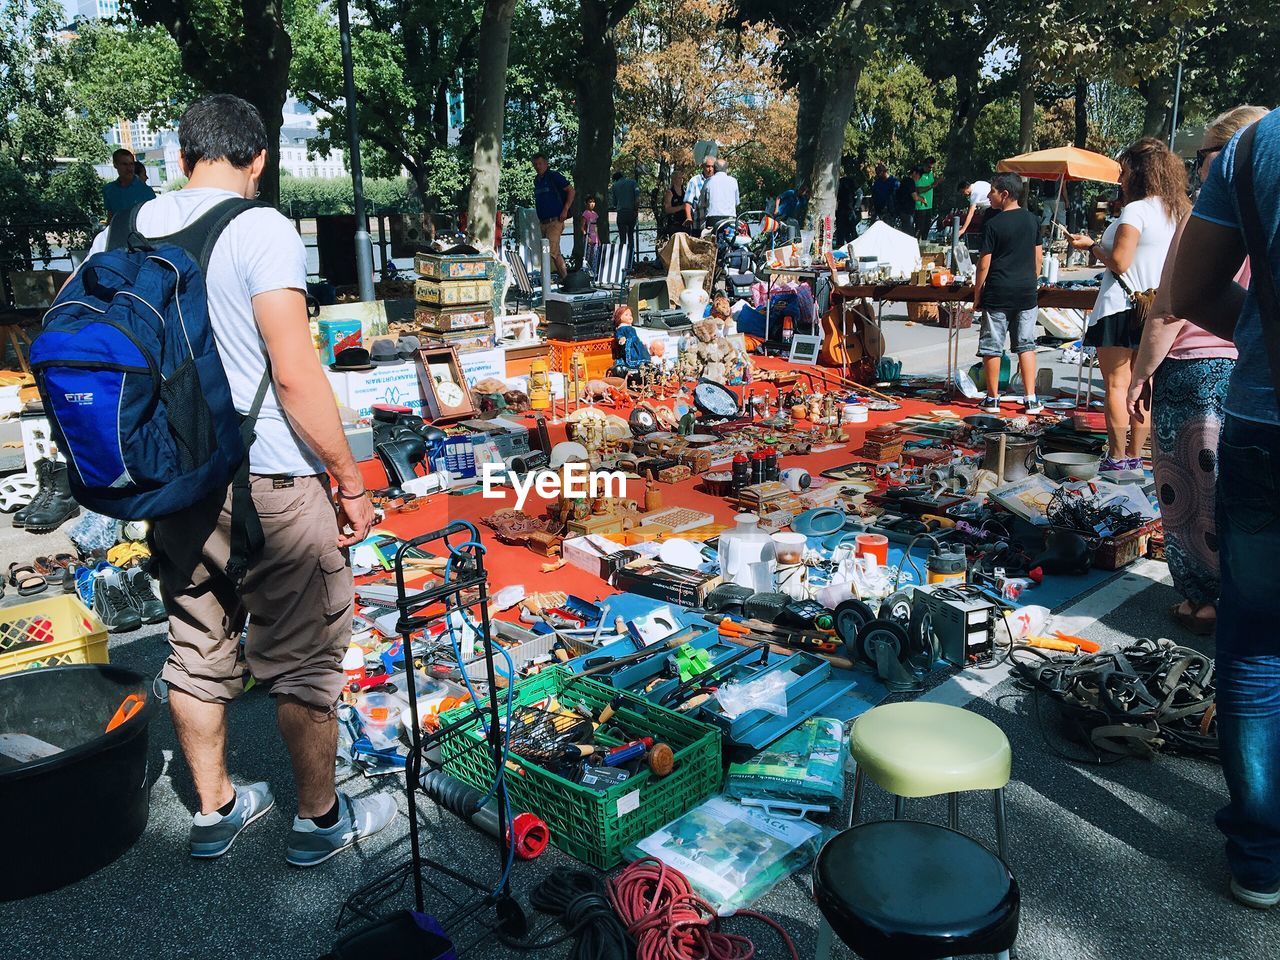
[1063,163]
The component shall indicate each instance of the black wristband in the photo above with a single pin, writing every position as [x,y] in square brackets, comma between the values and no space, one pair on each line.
[352,496]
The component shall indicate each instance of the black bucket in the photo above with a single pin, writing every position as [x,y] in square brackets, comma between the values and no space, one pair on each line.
[73,812]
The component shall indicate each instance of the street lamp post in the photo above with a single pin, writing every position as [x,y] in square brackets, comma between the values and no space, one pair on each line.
[364,246]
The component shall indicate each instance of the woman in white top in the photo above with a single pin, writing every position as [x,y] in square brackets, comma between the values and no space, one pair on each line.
[1153,185]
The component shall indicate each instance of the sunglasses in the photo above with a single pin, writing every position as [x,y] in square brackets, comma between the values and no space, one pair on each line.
[1204,153]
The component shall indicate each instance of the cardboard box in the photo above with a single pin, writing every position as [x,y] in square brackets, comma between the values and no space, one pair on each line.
[579,552]
[397,384]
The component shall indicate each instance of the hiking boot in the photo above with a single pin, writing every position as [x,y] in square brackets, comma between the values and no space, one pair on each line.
[1258,899]
[140,589]
[357,819]
[213,834]
[56,507]
[111,603]
[44,477]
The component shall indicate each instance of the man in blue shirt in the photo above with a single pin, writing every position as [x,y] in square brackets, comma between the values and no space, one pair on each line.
[128,190]
[883,191]
[552,200]
[1204,291]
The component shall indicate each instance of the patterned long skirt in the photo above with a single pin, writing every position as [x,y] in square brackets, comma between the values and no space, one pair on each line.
[1186,403]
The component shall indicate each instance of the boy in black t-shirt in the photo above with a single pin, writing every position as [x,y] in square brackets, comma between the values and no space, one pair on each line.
[1005,289]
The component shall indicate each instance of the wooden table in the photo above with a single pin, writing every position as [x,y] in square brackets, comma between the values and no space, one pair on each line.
[1065,298]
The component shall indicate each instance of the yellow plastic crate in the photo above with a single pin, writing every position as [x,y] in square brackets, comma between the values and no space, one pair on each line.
[50,632]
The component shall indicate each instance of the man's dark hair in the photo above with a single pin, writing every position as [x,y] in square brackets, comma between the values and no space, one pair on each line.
[538,156]
[930,161]
[916,169]
[1009,183]
[221,127]
[617,175]
[120,152]
[965,185]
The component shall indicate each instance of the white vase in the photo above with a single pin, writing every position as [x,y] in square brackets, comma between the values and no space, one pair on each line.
[694,300]
[746,555]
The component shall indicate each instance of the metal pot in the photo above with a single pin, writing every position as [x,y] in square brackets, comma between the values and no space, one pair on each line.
[1070,466]
[1019,455]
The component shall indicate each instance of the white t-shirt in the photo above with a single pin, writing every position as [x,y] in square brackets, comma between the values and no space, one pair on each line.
[258,252]
[721,196]
[1156,227]
[980,194]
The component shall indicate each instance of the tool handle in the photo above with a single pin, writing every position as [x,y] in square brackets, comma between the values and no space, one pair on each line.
[128,707]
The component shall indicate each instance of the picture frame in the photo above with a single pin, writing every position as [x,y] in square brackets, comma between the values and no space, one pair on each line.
[444,386]
[805,349]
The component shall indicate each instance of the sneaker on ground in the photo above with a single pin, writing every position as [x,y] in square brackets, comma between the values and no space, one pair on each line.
[1110,465]
[310,845]
[213,834]
[990,405]
[111,603]
[141,591]
[1258,899]
[1032,405]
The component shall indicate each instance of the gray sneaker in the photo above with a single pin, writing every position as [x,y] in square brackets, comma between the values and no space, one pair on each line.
[212,835]
[357,819]
[1258,899]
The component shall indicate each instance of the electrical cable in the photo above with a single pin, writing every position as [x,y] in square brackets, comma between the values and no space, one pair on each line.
[669,921]
[580,901]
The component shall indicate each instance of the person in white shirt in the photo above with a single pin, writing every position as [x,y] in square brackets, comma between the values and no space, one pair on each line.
[978,193]
[297,594]
[1153,184]
[720,197]
[693,194]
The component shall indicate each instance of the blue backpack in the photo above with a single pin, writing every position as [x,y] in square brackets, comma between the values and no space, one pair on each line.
[133,386]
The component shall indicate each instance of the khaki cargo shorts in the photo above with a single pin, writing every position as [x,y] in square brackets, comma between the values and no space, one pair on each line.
[297,596]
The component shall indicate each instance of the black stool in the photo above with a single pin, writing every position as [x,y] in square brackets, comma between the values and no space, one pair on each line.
[902,890]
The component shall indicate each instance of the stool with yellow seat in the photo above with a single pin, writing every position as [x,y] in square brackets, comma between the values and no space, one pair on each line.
[923,749]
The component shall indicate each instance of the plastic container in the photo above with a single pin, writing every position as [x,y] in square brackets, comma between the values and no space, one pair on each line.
[873,545]
[73,812]
[746,555]
[380,718]
[595,825]
[50,632]
[789,547]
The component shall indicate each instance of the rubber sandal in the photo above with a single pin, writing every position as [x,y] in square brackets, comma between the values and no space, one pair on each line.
[24,577]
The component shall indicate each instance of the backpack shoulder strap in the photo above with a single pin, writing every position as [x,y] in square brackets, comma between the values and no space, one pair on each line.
[121,228]
[199,237]
[1263,282]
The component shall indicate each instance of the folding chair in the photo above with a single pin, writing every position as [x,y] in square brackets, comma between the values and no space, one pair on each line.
[525,290]
[614,269]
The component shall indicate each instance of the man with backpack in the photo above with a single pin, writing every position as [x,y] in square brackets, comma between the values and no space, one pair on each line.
[1238,215]
[296,588]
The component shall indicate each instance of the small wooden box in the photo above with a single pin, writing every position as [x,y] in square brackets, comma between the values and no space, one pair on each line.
[454,266]
[454,319]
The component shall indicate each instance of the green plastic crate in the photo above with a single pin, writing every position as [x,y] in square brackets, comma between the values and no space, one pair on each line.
[592,825]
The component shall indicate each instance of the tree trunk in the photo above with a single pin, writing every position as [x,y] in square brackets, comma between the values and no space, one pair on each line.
[1082,112]
[1158,91]
[811,90]
[486,122]
[837,107]
[1026,103]
[961,140]
[594,85]
[252,63]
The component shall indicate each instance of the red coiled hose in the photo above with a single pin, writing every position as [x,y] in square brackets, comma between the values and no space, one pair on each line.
[670,922]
